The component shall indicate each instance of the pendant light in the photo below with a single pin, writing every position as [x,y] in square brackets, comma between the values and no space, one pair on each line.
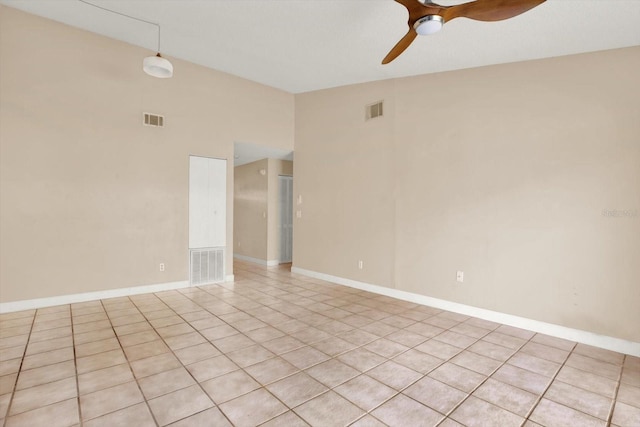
[155,66]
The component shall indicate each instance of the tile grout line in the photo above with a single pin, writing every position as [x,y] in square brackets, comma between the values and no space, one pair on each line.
[24,355]
[135,378]
[310,345]
[541,395]
[615,393]
[306,345]
[128,365]
[172,351]
[470,393]
[448,360]
[553,379]
[75,366]
[161,338]
[435,367]
[581,388]
[398,392]
[262,386]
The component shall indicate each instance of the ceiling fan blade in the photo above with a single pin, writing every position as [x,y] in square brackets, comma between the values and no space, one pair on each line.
[400,46]
[417,9]
[408,3]
[490,10]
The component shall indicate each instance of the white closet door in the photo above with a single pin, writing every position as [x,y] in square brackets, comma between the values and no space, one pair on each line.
[207,202]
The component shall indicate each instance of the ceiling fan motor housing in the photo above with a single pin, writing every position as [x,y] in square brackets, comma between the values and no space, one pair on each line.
[429,24]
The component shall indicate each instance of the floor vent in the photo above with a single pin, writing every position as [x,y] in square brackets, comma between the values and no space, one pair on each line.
[374,110]
[154,120]
[207,266]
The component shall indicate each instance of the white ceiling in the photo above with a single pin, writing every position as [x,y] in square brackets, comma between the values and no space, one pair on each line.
[305,45]
[246,152]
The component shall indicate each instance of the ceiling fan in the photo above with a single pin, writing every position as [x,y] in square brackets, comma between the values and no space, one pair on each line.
[428,18]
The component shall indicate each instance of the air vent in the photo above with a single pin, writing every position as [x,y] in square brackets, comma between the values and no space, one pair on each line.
[207,266]
[154,120]
[374,110]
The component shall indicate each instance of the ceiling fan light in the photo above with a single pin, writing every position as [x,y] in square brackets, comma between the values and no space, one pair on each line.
[429,24]
[157,66]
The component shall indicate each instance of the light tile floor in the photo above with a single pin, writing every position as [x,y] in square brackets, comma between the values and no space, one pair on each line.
[277,349]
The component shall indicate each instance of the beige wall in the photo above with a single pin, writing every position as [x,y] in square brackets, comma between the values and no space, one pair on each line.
[345,173]
[250,210]
[502,172]
[89,198]
[256,208]
[276,168]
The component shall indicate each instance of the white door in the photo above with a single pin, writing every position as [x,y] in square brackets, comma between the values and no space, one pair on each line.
[207,202]
[285,225]
[207,219]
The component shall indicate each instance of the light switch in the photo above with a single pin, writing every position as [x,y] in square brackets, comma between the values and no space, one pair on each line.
[298,214]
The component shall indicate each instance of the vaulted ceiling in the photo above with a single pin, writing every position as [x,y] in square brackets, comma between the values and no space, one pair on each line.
[305,45]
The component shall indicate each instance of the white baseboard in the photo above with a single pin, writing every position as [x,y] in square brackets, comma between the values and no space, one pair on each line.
[268,263]
[577,335]
[8,307]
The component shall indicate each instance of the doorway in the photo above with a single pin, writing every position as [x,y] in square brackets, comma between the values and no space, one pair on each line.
[285,221]
[257,223]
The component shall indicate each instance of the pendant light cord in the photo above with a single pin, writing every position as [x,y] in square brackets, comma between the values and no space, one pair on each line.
[127,16]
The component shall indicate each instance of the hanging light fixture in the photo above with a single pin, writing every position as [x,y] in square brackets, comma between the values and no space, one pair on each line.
[155,66]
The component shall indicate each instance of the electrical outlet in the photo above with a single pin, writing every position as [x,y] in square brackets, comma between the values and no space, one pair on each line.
[360,264]
[162,266]
[460,276]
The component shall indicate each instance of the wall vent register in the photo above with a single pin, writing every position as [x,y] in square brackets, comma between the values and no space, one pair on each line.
[374,110]
[154,120]
[207,266]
